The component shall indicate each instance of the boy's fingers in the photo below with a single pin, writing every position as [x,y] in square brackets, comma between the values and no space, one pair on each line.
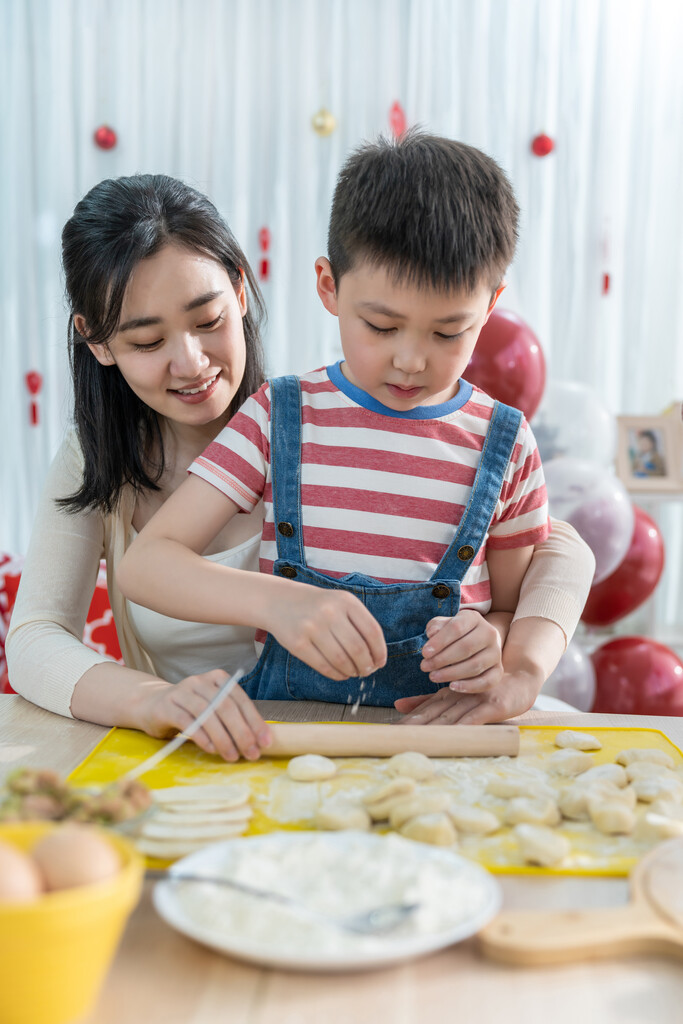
[450,630]
[370,630]
[408,704]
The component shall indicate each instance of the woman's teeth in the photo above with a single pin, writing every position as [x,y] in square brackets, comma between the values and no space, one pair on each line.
[195,391]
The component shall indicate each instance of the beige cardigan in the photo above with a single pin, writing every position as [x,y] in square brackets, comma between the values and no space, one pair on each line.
[45,653]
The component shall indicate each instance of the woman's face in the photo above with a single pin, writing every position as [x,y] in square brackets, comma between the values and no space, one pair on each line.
[180,340]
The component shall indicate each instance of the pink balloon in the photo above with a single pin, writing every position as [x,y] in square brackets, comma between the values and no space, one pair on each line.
[508,362]
[573,680]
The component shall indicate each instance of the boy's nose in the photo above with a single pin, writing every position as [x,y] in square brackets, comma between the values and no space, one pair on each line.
[188,358]
[409,359]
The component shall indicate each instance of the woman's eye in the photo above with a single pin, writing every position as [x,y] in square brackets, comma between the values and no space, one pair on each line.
[147,348]
[212,323]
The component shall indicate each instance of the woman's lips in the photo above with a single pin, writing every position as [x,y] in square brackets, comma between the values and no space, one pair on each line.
[406,393]
[199,396]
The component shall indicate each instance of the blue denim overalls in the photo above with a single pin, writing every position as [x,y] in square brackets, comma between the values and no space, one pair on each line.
[402,609]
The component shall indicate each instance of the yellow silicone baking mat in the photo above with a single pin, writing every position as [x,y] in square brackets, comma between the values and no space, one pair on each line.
[280,803]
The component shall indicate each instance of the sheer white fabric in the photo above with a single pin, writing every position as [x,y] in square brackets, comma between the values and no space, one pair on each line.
[221,93]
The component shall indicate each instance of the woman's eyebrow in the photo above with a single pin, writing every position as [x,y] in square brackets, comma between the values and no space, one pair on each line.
[149,321]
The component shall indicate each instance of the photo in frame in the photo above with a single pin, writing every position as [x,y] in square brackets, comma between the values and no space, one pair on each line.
[649,453]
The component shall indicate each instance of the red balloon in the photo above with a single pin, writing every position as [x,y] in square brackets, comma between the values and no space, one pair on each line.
[633,580]
[508,362]
[637,676]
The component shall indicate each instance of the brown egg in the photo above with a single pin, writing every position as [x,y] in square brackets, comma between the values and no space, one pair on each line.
[75,855]
[20,880]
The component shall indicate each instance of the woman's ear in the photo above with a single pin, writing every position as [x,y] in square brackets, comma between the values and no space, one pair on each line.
[327,289]
[100,350]
[241,292]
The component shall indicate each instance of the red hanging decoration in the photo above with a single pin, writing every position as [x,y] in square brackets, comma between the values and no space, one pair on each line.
[605,284]
[105,137]
[34,383]
[264,239]
[542,145]
[397,119]
[264,269]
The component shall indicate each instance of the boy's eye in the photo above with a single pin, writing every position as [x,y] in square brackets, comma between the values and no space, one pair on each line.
[379,330]
[448,337]
[211,323]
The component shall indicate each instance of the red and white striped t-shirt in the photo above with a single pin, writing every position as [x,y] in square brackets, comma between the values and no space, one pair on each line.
[381,493]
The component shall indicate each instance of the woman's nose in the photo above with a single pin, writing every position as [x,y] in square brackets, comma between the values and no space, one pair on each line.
[188,358]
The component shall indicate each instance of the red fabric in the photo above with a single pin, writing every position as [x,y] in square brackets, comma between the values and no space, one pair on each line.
[100,631]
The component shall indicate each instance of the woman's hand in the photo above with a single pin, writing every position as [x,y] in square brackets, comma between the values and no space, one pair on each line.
[463,650]
[330,630]
[235,728]
[513,695]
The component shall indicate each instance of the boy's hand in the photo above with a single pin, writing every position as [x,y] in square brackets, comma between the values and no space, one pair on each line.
[235,728]
[513,695]
[464,650]
[330,630]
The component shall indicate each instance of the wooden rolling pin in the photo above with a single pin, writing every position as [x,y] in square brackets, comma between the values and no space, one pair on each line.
[338,739]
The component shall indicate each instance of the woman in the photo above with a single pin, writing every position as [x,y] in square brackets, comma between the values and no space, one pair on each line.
[164,346]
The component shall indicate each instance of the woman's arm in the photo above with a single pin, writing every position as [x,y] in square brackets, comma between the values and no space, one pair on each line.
[50,665]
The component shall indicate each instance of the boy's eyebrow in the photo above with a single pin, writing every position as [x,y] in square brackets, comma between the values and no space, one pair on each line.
[148,321]
[377,307]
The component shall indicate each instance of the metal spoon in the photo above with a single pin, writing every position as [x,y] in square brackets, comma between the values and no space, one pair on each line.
[377,921]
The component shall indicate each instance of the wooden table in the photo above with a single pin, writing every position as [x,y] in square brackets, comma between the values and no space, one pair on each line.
[159,977]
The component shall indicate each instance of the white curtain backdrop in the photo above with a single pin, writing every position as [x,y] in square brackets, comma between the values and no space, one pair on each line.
[221,93]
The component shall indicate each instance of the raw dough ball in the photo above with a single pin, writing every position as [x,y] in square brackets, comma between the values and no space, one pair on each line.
[342,814]
[612,817]
[411,764]
[655,827]
[382,798]
[474,820]
[658,787]
[311,768]
[509,786]
[415,806]
[573,801]
[534,810]
[577,740]
[638,754]
[569,762]
[436,829]
[647,769]
[606,773]
[540,845]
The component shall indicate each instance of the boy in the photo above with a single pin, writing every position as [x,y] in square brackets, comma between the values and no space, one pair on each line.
[398,498]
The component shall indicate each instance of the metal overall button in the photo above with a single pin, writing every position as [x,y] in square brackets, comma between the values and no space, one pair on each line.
[289,571]
[286,529]
[466,552]
[441,590]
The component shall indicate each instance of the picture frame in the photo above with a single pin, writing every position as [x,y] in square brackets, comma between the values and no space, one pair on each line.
[649,453]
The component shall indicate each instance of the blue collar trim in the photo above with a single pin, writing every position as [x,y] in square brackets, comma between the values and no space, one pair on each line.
[421,412]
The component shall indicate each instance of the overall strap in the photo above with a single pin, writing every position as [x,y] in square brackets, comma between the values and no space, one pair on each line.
[285,462]
[488,483]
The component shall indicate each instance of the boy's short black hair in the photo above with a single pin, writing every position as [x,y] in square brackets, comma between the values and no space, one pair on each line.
[432,210]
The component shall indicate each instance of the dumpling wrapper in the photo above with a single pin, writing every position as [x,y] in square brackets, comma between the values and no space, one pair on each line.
[226,796]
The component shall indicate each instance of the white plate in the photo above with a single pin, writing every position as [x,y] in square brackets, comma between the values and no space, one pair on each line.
[203,912]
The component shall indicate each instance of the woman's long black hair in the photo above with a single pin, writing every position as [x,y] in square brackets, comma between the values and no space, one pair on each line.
[118,223]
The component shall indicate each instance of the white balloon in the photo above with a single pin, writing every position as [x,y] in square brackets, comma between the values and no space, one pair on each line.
[572,421]
[573,680]
[597,505]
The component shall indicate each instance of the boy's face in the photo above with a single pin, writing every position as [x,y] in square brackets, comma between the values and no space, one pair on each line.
[404,345]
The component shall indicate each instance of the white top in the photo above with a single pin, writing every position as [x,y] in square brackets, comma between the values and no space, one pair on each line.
[179,648]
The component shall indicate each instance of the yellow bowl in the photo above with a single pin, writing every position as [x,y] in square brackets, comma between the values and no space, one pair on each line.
[55,952]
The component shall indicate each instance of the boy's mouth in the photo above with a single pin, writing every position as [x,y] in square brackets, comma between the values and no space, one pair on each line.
[406,393]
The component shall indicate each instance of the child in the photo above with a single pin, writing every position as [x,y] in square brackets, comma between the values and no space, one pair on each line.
[396,495]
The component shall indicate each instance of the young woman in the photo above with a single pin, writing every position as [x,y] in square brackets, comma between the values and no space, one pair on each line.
[165,346]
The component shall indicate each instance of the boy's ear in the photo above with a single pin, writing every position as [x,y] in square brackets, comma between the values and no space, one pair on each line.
[499,290]
[101,352]
[327,290]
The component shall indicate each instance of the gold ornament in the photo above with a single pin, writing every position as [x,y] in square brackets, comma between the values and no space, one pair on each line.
[324,122]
